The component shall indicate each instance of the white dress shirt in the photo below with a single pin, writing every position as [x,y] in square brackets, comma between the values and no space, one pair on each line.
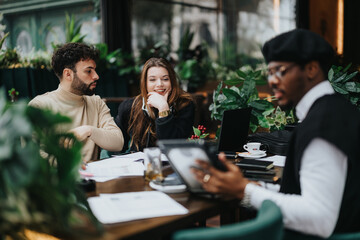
[322,179]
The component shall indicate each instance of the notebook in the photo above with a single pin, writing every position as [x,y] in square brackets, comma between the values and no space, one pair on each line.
[234,130]
[255,164]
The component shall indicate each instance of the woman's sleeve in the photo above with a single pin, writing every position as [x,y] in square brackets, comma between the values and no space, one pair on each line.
[179,126]
[122,120]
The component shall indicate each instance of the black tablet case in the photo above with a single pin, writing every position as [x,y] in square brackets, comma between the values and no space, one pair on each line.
[276,142]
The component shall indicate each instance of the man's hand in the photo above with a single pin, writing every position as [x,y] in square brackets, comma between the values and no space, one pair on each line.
[158,101]
[231,182]
[82,132]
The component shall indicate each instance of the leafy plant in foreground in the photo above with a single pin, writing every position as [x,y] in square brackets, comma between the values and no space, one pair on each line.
[39,174]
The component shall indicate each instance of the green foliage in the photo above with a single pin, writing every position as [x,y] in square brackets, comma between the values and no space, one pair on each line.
[340,81]
[117,59]
[39,174]
[154,49]
[194,65]
[2,40]
[184,46]
[231,59]
[242,94]
[199,133]
[10,58]
[278,119]
[72,29]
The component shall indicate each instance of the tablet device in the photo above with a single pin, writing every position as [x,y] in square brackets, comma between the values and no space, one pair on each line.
[182,155]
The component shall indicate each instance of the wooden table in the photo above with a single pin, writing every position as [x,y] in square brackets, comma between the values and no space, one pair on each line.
[200,209]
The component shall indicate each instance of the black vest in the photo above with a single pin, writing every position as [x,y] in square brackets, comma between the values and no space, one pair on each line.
[337,121]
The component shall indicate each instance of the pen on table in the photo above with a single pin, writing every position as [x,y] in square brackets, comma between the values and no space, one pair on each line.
[86,174]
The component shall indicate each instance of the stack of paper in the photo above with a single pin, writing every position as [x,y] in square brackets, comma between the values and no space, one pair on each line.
[117,166]
[121,207]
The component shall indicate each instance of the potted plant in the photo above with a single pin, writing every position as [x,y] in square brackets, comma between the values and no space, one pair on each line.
[240,92]
[39,187]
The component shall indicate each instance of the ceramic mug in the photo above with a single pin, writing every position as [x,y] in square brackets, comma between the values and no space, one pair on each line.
[253,148]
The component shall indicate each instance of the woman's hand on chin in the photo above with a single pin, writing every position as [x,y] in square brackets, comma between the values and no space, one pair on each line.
[158,101]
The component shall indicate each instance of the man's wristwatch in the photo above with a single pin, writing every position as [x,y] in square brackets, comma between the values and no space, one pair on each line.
[164,113]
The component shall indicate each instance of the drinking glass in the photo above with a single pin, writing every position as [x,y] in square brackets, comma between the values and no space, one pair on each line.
[152,164]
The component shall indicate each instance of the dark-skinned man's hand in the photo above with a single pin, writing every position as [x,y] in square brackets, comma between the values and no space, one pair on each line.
[230,183]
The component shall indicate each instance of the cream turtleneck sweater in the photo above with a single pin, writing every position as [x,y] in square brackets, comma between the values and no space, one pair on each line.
[84,110]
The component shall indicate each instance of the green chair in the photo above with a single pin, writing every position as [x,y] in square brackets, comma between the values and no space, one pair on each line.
[345,236]
[293,235]
[267,225]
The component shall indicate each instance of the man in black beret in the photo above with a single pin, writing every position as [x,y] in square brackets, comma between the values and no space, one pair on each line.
[321,175]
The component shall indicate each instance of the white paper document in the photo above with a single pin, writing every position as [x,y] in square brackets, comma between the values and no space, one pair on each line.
[132,156]
[139,156]
[277,160]
[122,207]
[114,167]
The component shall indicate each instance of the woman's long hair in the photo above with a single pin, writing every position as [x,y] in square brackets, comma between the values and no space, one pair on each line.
[141,123]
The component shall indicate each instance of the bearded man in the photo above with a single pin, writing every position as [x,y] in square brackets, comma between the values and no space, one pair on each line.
[74,64]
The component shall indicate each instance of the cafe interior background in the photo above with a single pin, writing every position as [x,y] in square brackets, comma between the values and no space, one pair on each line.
[206,41]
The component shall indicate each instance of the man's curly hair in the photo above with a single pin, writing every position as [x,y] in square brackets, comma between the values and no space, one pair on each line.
[67,55]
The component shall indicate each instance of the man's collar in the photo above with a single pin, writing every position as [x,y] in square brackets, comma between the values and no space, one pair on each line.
[69,96]
[321,89]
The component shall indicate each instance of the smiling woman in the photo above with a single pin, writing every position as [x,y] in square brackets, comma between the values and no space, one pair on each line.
[161,111]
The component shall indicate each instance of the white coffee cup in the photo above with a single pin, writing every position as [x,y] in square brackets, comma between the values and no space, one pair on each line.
[253,148]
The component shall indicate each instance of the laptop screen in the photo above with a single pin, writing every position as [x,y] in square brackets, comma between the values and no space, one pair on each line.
[234,130]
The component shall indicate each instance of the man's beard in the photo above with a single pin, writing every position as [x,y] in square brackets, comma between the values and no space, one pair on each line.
[80,88]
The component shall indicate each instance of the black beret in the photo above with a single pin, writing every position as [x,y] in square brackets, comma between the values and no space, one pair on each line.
[300,46]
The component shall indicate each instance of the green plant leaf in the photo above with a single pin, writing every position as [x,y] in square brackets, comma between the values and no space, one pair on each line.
[269,111]
[340,79]
[253,127]
[263,122]
[354,100]
[261,105]
[353,87]
[236,89]
[350,76]
[241,74]
[248,88]
[197,131]
[204,135]
[347,67]
[331,74]
[339,89]
[230,94]
[3,39]
[234,81]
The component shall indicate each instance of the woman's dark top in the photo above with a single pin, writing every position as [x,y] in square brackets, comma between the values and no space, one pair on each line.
[176,125]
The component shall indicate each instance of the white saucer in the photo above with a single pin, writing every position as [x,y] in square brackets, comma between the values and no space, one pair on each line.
[169,188]
[252,156]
